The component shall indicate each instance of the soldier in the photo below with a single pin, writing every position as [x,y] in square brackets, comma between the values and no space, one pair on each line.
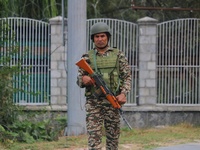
[112,64]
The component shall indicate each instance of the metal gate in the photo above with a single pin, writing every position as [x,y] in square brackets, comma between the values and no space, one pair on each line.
[124,37]
[178,62]
[32,39]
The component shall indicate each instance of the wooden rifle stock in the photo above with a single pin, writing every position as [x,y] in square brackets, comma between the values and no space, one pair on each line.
[85,66]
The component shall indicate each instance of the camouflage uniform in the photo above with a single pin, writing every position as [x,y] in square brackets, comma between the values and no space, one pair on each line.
[99,112]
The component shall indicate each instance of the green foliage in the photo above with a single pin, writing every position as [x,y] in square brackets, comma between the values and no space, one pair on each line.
[13,123]
[8,110]
[118,9]
[37,9]
[122,9]
[29,131]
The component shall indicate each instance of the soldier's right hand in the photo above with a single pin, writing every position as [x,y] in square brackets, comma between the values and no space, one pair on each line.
[87,80]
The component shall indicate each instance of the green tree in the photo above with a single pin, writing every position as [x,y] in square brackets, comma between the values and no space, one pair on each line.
[119,9]
[36,9]
[122,9]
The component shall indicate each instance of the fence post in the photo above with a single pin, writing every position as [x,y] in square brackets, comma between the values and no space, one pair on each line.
[147,60]
[58,74]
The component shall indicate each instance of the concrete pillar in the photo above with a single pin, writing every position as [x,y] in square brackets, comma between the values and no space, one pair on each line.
[76,48]
[58,73]
[147,60]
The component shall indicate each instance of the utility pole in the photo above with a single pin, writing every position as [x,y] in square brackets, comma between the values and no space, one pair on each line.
[76,41]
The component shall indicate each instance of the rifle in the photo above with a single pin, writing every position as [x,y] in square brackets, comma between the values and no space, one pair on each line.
[104,88]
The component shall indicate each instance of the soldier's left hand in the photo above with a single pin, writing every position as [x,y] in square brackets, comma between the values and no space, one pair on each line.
[121,98]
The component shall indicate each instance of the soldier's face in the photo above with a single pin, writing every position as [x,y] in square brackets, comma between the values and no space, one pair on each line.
[100,40]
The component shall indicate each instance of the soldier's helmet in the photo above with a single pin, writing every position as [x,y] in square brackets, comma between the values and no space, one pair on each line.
[100,27]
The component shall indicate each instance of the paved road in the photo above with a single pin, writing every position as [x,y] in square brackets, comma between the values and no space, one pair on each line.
[189,146]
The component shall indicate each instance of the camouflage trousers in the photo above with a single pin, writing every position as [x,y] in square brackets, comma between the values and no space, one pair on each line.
[101,115]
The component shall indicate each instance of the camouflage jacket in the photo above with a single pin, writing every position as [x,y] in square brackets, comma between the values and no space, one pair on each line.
[124,71]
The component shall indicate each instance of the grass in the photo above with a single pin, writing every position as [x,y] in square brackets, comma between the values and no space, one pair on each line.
[137,139]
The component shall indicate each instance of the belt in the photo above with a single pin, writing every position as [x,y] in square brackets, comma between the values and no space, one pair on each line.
[95,97]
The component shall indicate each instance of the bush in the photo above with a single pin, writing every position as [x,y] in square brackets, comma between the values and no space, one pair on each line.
[12,128]
[8,49]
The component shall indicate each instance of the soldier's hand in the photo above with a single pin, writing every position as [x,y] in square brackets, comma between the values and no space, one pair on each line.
[87,80]
[121,98]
